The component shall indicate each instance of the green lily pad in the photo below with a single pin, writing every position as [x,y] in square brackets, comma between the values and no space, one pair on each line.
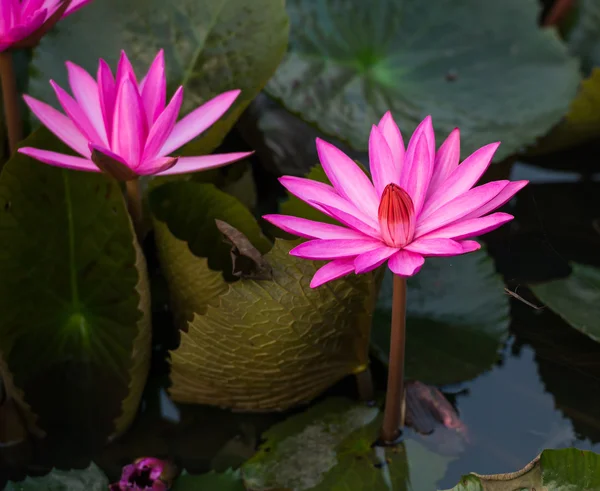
[457,319]
[584,37]
[273,344]
[75,329]
[211,46]
[487,69]
[575,298]
[553,470]
[229,480]
[330,448]
[90,479]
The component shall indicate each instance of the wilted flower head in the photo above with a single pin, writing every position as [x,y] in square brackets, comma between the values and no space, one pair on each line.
[125,127]
[420,203]
[24,22]
[146,474]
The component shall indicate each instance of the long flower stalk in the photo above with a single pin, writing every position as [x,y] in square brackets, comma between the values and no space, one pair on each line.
[10,100]
[134,205]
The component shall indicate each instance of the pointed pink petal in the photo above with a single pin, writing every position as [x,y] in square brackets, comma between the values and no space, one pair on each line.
[59,159]
[196,164]
[7,14]
[392,135]
[383,169]
[446,160]
[107,92]
[311,229]
[471,227]
[125,70]
[418,167]
[368,261]
[129,125]
[59,124]
[157,166]
[313,191]
[435,247]
[109,152]
[28,8]
[460,207]
[332,271]
[405,263]
[470,246]
[85,90]
[349,219]
[462,178]
[501,199]
[198,121]
[347,178]
[154,88]
[163,126]
[74,6]
[425,129]
[334,248]
[76,114]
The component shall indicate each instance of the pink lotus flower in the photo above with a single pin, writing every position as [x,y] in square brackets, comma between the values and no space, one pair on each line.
[421,203]
[124,127]
[146,474]
[24,22]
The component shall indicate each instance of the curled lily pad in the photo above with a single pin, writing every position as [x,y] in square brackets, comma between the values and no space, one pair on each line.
[486,68]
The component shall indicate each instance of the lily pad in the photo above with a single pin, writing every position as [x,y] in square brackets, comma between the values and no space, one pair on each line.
[330,448]
[229,480]
[576,299]
[90,479]
[273,344]
[211,46]
[457,319]
[486,68]
[584,37]
[553,470]
[75,329]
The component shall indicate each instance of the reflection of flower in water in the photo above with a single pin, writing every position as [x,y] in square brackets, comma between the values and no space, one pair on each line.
[146,474]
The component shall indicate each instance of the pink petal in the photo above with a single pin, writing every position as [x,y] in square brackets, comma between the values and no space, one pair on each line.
[107,92]
[460,207]
[59,159]
[462,178]
[59,124]
[154,88]
[198,121]
[129,125]
[471,227]
[156,166]
[501,199]
[204,162]
[163,126]
[313,191]
[383,168]
[435,247]
[28,8]
[334,248]
[332,271]
[74,6]
[125,70]
[311,229]
[85,90]
[368,261]
[470,246]
[76,114]
[8,13]
[446,160]
[418,167]
[347,178]
[425,128]
[405,263]
[393,137]
[349,219]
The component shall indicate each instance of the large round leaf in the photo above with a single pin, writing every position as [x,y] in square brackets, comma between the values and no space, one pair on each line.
[575,298]
[210,46]
[484,67]
[272,344]
[75,328]
[457,319]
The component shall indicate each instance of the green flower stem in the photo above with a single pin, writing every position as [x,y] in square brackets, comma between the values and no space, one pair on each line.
[134,205]
[10,98]
[393,420]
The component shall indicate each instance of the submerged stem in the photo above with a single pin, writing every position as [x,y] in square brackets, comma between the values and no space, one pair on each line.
[10,99]
[134,205]
[392,416]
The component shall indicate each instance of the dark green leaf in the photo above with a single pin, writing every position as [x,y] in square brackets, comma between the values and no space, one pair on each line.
[90,479]
[485,68]
[75,329]
[584,37]
[457,319]
[229,480]
[575,298]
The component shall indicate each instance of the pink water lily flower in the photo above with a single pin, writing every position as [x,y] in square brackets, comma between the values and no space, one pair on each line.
[24,22]
[420,203]
[125,127]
